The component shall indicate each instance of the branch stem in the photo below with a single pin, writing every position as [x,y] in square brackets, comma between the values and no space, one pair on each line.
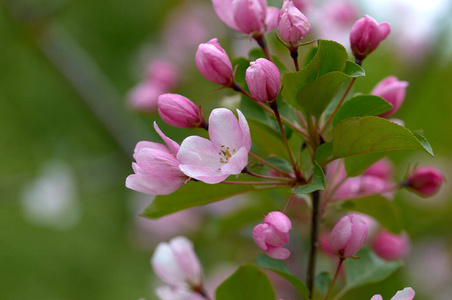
[313,244]
[261,42]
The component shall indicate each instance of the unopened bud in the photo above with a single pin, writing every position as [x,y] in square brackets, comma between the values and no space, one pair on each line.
[178,111]
[293,26]
[213,63]
[392,90]
[391,246]
[348,235]
[273,234]
[263,79]
[425,181]
[365,36]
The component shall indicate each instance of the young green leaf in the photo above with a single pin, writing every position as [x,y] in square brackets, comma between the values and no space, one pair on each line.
[378,207]
[248,282]
[280,268]
[362,106]
[359,135]
[317,182]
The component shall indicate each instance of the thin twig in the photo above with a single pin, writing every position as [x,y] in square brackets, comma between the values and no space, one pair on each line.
[269,165]
[313,244]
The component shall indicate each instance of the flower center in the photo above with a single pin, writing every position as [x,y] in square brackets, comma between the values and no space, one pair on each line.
[225,153]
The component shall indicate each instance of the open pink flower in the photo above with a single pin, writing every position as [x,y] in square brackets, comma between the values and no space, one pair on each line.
[226,153]
[247,16]
[156,169]
[405,294]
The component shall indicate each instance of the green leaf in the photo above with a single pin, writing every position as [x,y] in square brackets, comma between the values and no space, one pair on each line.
[366,270]
[312,88]
[324,153]
[355,165]
[242,64]
[423,141]
[248,282]
[378,207]
[190,195]
[280,268]
[359,135]
[322,282]
[280,163]
[267,139]
[317,182]
[361,106]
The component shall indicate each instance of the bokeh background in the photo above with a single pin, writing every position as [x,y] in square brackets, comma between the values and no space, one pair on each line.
[69,229]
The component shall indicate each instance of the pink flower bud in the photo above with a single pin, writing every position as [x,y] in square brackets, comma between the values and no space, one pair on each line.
[143,97]
[293,26]
[302,5]
[382,169]
[178,111]
[391,246]
[163,74]
[177,264]
[393,91]
[213,63]
[425,181]
[348,235]
[365,36]
[273,234]
[250,15]
[263,79]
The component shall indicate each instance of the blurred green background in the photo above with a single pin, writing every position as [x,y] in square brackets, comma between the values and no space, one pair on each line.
[65,70]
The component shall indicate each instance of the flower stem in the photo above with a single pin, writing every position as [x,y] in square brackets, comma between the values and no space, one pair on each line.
[238,88]
[338,105]
[341,260]
[313,244]
[267,177]
[261,42]
[258,183]
[285,174]
[289,202]
[294,55]
[274,107]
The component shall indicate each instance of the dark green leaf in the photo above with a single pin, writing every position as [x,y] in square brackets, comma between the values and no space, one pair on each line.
[423,142]
[190,195]
[317,182]
[322,282]
[248,282]
[359,135]
[280,268]
[378,207]
[366,270]
[310,56]
[362,106]
[324,153]
[357,164]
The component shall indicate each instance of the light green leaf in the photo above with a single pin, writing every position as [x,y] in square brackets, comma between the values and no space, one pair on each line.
[361,106]
[280,268]
[322,282]
[317,182]
[366,270]
[359,135]
[378,207]
[248,282]
[324,153]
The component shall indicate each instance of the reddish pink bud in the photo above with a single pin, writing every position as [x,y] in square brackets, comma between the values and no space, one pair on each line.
[365,36]
[348,235]
[391,246]
[263,79]
[302,5]
[293,26]
[425,181]
[250,15]
[324,244]
[273,234]
[178,111]
[382,169]
[392,90]
[213,63]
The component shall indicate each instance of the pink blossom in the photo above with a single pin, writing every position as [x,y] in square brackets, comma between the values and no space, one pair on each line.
[156,169]
[425,181]
[405,294]
[178,111]
[392,90]
[364,185]
[213,63]
[163,74]
[263,79]
[382,169]
[144,96]
[391,246]
[365,36]
[302,5]
[348,235]
[226,153]
[177,265]
[273,234]
[293,26]
[251,17]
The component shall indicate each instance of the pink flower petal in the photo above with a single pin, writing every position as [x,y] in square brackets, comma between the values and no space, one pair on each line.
[405,294]
[271,20]
[246,137]
[150,145]
[165,265]
[236,163]
[377,297]
[278,220]
[223,8]
[259,235]
[156,162]
[224,129]
[172,145]
[278,253]
[187,259]
[199,151]
[207,175]
[154,185]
